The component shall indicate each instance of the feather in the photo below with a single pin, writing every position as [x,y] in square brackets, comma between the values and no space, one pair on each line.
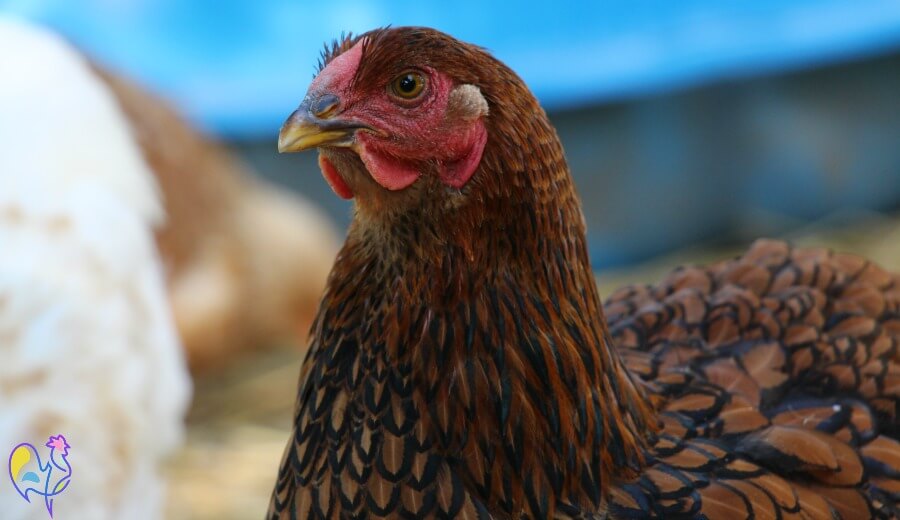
[763,386]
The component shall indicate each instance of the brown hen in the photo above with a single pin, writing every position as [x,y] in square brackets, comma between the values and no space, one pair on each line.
[461,365]
[245,260]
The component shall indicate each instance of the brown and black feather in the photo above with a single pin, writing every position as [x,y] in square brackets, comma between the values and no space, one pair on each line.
[461,365]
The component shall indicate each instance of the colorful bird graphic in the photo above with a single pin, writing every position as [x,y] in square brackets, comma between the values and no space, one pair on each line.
[28,473]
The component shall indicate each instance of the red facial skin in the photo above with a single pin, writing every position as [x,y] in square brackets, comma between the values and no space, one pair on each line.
[334,179]
[408,134]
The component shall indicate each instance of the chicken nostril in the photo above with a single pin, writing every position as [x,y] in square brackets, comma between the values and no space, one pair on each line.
[324,106]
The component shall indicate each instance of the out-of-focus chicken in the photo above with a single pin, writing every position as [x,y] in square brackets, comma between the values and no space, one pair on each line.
[87,345]
[246,262]
[461,365]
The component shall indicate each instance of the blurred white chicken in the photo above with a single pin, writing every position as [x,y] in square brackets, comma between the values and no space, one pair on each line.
[87,345]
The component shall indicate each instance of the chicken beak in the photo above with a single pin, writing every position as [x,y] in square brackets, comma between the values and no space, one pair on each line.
[312,125]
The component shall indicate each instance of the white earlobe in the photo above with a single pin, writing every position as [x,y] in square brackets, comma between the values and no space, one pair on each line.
[466,102]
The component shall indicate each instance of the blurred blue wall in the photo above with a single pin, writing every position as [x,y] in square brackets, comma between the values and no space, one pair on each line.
[237,66]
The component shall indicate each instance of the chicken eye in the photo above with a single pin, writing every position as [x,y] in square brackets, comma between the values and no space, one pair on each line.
[408,85]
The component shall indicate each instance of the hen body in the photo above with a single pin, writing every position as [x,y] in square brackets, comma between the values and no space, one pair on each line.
[777,376]
[245,261]
[461,365]
[87,346]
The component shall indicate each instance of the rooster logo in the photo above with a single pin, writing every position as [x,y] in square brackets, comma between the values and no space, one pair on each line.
[29,474]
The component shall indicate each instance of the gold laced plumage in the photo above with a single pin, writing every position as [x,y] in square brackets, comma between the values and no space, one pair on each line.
[461,365]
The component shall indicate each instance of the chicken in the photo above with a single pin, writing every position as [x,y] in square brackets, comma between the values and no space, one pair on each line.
[461,365]
[88,350]
[246,262]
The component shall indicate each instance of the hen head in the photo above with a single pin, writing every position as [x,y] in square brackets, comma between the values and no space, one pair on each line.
[401,116]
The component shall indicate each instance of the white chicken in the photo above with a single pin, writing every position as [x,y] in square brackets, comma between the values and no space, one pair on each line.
[87,344]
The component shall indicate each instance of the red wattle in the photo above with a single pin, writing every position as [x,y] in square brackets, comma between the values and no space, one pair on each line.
[393,174]
[457,173]
[334,179]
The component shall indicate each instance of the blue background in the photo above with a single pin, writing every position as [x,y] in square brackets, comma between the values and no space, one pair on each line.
[234,65]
